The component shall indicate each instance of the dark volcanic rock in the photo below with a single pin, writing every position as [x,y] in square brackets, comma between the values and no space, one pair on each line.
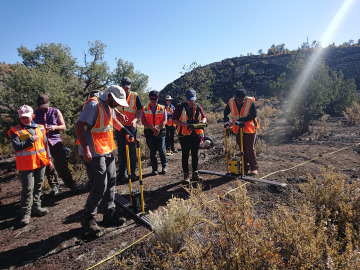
[257,72]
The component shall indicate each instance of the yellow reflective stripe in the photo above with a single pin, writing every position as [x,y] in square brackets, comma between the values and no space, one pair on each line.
[132,100]
[24,153]
[19,130]
[248,103]
[183,115]
[41,129]
[233,109]
[104,129]
[102,115]
[132,105]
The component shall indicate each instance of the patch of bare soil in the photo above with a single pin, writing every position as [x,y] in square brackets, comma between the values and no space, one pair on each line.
[56,241]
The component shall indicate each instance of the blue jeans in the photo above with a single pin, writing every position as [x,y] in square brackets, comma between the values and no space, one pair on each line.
[120,139]
[156,143]
[102,172]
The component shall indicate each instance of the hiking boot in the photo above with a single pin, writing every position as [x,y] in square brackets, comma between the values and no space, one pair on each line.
[54,191]
[90,225]
[169,153]
[254,172]
[40,212]
[111,218]
[187,178]
[164,170]
[154,172]
[196,176]
[25,220]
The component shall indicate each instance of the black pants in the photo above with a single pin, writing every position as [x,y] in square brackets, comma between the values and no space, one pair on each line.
[61,166]
[190,143]
[169,139]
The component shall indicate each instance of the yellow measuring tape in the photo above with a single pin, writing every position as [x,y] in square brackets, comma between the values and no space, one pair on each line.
[120,251]
[283,170]
[327,154]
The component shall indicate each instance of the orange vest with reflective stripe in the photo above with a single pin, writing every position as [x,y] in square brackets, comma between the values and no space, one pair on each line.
[159,115]
[184,118]
[130,111]
[102,133]
[170,110]
[245,110]
[34,156]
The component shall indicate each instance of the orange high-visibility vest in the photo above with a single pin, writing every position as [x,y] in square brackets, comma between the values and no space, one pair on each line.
[32,157]
[170,110]
[245,110]
[159,115]
[130,111]
[184,118]
[102,133]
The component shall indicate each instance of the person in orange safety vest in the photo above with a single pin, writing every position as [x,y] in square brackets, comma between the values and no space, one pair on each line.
[185,114]
[32,155]
[128,116]
[243,112]
[170,127]
[94,130]
[154,118]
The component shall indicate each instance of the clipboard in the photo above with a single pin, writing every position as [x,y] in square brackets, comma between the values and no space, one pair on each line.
[24,137]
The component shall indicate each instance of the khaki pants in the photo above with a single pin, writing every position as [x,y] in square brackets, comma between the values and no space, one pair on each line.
[102,172]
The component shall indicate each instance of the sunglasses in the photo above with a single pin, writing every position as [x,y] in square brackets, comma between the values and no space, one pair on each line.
[154,98]
[23,110]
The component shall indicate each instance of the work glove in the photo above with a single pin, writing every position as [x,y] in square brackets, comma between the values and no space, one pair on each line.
[239,124]
[128,134]
[129,139]
[227,124]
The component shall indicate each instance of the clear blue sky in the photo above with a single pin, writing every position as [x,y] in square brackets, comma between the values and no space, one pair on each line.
[160,36]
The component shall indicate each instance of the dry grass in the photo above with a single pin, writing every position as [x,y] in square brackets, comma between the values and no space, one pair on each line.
[265,115]
[232,147]
[260,146]
[319,130]
[214,117]
[352,114]
[6,147]
[319,231]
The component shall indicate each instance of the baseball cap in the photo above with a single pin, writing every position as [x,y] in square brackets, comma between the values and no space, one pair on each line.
[191,94]
[117,93]
[168,97]
[125,81]
[25,111]
[43,101]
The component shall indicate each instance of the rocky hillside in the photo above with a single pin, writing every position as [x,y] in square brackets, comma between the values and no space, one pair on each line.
[257,72]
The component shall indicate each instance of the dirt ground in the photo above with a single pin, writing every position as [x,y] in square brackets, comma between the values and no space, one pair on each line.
[57,241]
